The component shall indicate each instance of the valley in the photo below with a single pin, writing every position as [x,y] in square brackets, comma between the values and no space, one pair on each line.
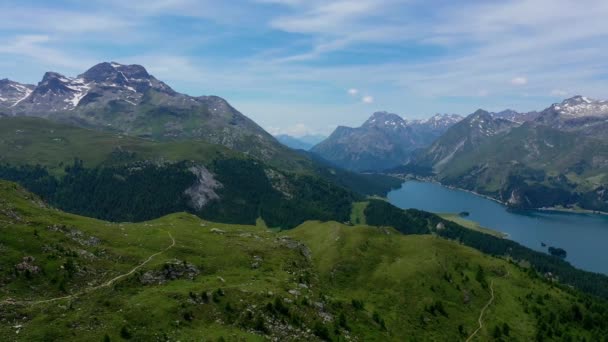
[290,170]
[322,280]
[120,197]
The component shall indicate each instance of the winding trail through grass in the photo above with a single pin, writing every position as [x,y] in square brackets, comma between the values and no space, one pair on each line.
[483,310]
[91,289]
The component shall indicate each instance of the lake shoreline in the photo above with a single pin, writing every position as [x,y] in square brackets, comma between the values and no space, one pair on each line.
[541,209]
[583,235]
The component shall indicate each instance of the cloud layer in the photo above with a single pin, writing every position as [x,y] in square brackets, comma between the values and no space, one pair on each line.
[287,62]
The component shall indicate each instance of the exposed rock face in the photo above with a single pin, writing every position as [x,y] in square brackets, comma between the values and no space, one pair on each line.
[172,270]
[279,182]
[12,93]
[203,191]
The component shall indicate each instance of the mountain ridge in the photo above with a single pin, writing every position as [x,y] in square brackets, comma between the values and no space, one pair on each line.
[383,141]
[126,98]
[559,159]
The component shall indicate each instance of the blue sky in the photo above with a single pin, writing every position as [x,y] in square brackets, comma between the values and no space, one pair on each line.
[305,66]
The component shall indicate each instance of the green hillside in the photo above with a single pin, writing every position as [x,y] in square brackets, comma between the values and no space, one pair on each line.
[121,178]
[530,166]
[66,277]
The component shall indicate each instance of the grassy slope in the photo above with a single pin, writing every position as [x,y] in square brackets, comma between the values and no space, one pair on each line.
[471,224]
[537,148]
[28,140]
[25,140]
[397,276]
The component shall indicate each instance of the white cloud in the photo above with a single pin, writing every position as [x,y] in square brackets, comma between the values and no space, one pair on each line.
[519,81]
[367,99]
[38,49]
[483,92]
[353,91]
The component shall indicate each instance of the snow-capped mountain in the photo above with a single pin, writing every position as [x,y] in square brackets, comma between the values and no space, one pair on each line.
[385,140]
[581,106]
[99,85]
[127,98]
[12,93]
[578,113]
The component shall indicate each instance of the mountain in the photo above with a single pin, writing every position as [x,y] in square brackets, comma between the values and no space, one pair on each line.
[312,139]
[300,143]
[126,98]
[559,159]
[577,114]
[69,277]
[383,141]
[464,137]
[118,177]
[512,115]
[12,93]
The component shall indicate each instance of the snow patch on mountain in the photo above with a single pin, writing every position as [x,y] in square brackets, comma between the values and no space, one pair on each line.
[581,106]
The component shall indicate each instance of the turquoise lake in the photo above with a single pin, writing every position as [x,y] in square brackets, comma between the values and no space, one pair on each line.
[583,236]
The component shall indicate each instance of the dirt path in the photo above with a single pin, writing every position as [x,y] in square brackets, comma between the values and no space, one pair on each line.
[106,284]
[483,310]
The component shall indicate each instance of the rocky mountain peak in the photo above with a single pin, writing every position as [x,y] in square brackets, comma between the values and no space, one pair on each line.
[581,106]
[438,121]
[481,113]
[11,93]
[55,83]
[385,119]
[116,73]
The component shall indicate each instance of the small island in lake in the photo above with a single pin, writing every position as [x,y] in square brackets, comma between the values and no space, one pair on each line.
[464,214]
[543,244]
[558,252]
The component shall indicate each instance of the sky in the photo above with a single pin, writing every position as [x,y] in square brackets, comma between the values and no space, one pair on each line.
[305,66]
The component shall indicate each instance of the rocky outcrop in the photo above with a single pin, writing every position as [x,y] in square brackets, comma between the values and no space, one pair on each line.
[172,270]
[293,244]
[27,266]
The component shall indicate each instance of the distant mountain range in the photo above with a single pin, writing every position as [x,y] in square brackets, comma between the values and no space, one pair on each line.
[554,158]
[383,141]
[305,142]
[126,98]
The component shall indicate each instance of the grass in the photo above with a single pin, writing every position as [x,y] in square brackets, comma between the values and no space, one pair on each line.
[357,215]
[320,280]
[471,225]
[56,145]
